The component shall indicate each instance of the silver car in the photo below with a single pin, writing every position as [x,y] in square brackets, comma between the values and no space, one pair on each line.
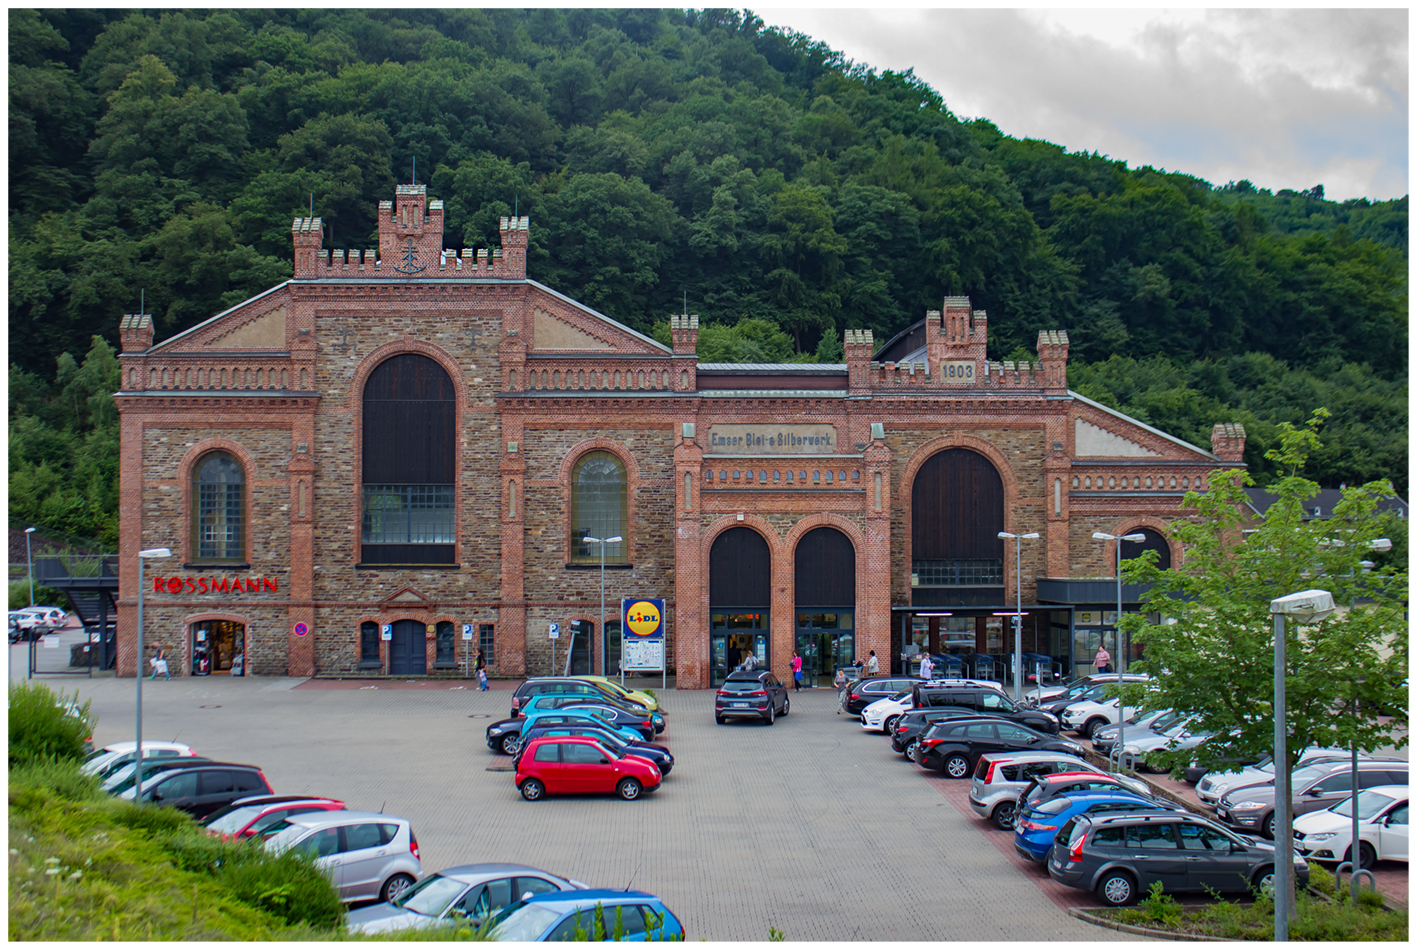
[370,856]
[1215,784]
[999,779]
[471,893]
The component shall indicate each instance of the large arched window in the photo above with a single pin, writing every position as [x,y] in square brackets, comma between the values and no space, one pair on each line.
[219,515]
[598,508]
[409,446]
[957,512]
[1155,541]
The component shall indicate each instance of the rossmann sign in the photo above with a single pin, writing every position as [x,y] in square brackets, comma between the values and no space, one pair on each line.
[214,585]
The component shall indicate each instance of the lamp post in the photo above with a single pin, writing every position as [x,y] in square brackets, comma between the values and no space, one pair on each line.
[29,564]
[143,556]
[603,649]
[1018,607]
[1308,606]
[1121,653]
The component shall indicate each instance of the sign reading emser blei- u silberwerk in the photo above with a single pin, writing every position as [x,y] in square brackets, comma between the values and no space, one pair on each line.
[771,439]
[643,623]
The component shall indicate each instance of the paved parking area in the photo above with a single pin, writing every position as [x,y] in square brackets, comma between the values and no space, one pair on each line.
[810,826]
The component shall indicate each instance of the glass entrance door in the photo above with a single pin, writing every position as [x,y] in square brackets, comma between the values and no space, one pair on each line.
[826,640]
[733,635]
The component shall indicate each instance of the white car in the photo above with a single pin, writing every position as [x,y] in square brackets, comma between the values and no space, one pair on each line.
[1178,737]
[882,714]
[1088,716]
[1215,784]
[105,761]
[50,618]
[1382,828]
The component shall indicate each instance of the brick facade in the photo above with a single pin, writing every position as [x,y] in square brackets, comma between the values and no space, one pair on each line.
[540,380]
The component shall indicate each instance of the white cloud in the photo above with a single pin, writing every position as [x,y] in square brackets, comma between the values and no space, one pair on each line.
[1285,98]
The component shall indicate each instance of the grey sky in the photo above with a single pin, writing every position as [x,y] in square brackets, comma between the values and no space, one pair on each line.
[1285,98]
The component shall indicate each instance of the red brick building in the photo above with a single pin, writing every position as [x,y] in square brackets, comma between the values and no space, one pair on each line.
[398,450]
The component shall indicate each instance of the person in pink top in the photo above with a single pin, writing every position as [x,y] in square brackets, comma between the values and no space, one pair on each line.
[796,671]
[1103,663]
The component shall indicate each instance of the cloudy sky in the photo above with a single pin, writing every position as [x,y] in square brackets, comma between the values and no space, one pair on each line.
[1285,98]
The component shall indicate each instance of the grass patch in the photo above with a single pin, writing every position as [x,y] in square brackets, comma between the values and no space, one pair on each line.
[1318,919]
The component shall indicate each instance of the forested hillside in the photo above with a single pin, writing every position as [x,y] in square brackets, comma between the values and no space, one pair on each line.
[788,193]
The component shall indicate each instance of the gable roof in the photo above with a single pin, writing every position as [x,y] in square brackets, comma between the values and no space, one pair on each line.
[1320,506]
[1137,422]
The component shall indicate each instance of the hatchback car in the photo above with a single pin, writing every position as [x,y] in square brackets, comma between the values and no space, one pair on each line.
[999,779]
[860,694]
[637,696]
[1046,787]
[659,755]
[560,686]
[370,855]
[1121,856]
[954,746]
[563,716]
[1138,726]
[1035,829]
[756,694]
[905,737]
[204,788]
[642,721]
[261,815]
[1215,784]
[1314,787]
[881,715]
[986,699]
[104,762]
[120,782]
[1382,828]
[576,765]
[588,915]
[471,893]
[1055,698]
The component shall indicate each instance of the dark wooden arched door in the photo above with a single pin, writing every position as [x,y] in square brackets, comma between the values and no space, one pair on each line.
[740,597]
[957,512]
[824,582]
[1155,541]
[408,655]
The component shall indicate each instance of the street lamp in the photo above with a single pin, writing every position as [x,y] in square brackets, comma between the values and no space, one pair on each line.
[1018,615]
[1121,651]
[29,562]
[615,540]
[1309,606]
[1353,851]
[153,553]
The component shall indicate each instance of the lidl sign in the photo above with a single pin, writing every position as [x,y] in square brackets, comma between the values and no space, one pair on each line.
[643,619]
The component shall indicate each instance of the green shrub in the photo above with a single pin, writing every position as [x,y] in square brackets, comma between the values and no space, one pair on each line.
[288,886]
[44,726]
[129,814]
[1158,906]
[1321,879]
[43,596]
[55,776]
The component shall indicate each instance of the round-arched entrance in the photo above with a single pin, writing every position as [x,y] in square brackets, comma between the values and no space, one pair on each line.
[824,584]
[740,601]
[408,650]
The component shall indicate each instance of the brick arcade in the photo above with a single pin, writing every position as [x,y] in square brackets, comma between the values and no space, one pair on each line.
[401,448]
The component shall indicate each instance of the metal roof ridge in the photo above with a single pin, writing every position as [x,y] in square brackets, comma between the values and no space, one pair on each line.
[1137,422]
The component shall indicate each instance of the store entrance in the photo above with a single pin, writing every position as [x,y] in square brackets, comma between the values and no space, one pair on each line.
[218,646]
[733,635]
[826,638]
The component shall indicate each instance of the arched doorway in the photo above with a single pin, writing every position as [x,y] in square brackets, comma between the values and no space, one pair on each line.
[824,581]
[408,653]
[217,646]
[1155,541]
[740,598]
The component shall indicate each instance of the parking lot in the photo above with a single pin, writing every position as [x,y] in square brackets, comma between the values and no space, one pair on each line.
[810,826]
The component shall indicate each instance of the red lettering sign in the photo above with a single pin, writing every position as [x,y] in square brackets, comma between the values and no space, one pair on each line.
[207,585]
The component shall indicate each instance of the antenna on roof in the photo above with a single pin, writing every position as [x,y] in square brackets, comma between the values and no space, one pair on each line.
[143,301]
[382,804]
[686,303]
[632,876]
[516,205]
[415,169]
[312,204]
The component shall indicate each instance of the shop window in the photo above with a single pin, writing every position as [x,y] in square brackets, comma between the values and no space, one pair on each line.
[219,515]
[598,508]
[368,643]
[487,641]
[444,655]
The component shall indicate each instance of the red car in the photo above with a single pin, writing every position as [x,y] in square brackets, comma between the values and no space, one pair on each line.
[570,765]
[263,815]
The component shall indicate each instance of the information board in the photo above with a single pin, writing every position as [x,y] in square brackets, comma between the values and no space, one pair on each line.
[642,620]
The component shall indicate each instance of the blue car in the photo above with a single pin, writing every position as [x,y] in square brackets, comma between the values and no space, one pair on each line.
[562,716]
[587,915]
[1035,829]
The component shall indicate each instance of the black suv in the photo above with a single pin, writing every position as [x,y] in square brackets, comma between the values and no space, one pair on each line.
[863,693]
[755,693]
[984,700]
[205,788]
[910,726]
[1121,856]
[954,746]
[565,686]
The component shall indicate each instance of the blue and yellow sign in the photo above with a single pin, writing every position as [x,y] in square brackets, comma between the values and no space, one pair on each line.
[643,619]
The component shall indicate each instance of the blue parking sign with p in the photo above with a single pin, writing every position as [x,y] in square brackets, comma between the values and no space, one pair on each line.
[386,632]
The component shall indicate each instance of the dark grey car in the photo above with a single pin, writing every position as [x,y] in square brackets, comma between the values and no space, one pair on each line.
[752,693]
[1121,856]
[1314,787]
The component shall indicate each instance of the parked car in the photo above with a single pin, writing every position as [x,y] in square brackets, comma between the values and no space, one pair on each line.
[881,715]
[202,789]
[1121,856]
[104,762]
[25,625]
[263,815]
[905,737]
[370,855]
[984,698]
[1195,772]
[1382,828]
[121,782]
[1089,715]
[1096,689]
[954,746]
[570,765]
[563,716]
[753,693]
[1314,787]
[638,718]
[862,693]
[1047,787]
[597,915]
[505,735]
[657,754]
[999,779]
[1073,689]
[1035,828]
[561,686]
[471,893]
[47,618]
[1139,726]
[1180,736]
[624,693]
[1211,787]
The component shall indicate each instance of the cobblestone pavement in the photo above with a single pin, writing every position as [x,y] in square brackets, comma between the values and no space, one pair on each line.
[810,826]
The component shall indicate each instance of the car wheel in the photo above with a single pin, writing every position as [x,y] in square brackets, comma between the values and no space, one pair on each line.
[1366,855]
[1117,888]
[889,725]
[628,789]
[1092,726]
[956,766]
[394,886]
[511,743]
[772,714]
[1269,827]
[532,789]
[718,719]
[786,705]
[1004,816]
[912,750]
[1263,881]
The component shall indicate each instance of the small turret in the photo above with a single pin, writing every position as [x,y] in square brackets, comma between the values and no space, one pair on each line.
[1227,441]
[685,332]
[135,333]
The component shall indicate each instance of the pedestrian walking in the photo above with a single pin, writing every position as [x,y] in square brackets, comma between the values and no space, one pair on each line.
[796,672]
[159,663]
[873,665]
[1103,663]
[481,670]
[927,668]
[840,684]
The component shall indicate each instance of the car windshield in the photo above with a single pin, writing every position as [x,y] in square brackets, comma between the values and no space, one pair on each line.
[897,697]
[741,686]
[1369,804]
[430,896]
[1308,773]
[523,923]
[1164,721]
[234,820]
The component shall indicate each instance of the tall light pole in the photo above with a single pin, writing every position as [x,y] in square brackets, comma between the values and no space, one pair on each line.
[29,562]
[1121,653]
[143,556]
[1018,607]
[603,648]
[1309,606]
